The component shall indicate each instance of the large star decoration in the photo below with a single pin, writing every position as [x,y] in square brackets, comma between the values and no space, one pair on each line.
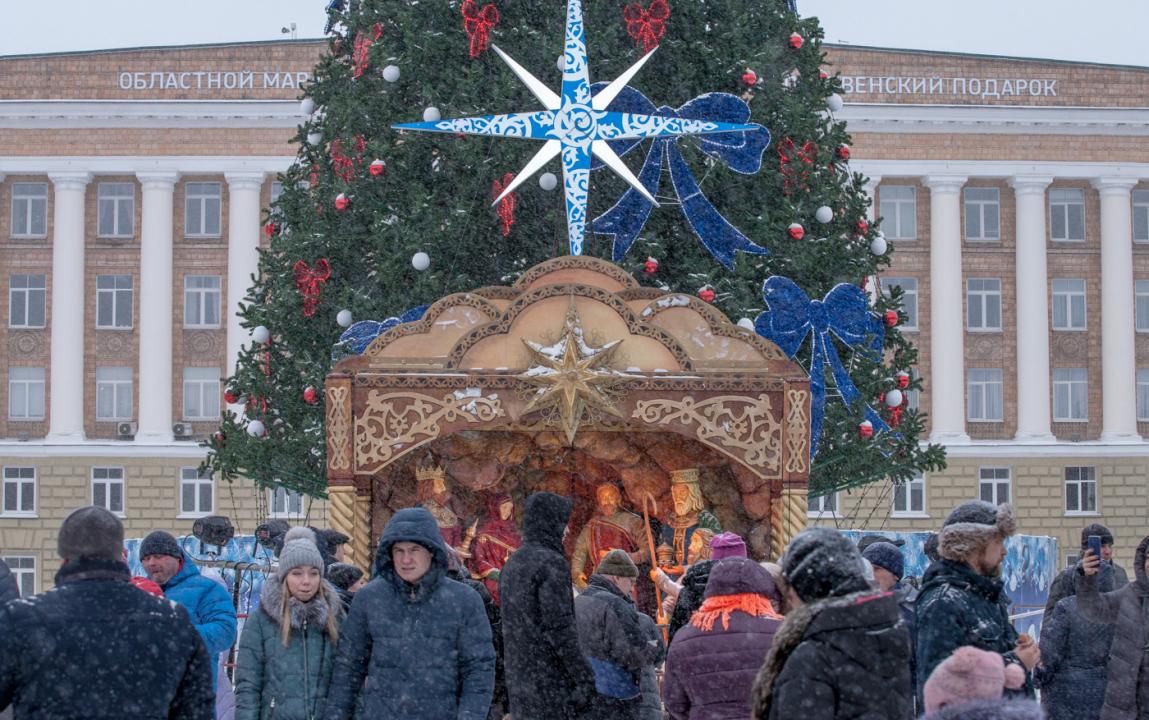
[571,376]
[576,126]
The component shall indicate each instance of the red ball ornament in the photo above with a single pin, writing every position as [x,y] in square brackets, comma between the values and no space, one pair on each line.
[863,227]
[843,152]
[891,318]
[650,267]
[706,294]
[866,429]
[270,228]
[903,380]
[822,74]
[750,77]
[310,395]
[342,202]
[378,167]
[796,231]
[220,438]
[230,398]
[796,41]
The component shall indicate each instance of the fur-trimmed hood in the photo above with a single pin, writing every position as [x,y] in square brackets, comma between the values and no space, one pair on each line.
[971,526]
[314,611]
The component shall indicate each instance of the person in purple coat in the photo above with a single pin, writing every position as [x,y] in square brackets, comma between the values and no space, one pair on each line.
[712,662]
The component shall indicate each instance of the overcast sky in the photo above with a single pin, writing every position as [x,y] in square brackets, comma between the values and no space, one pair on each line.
[1058,29]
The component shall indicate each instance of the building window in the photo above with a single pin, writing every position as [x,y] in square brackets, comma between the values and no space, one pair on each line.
[910,497]
[1068,304]
[1080,490]
[1143,395]
[201,301]
[108,488]
[1067,214]
[201,393]
[823,506]
[1070,395]
[23,569]
[286,503]
[983,304]
[27,301]
[114,301]
[1141,215]
[899,212]
[116,209]
[202,209]
[29,210]
[1141,305]
[909,288]
[982,214]
[197,492]
[113,393]
[985,395]
[276,191]
[25,393]
[20,491]
[993,483]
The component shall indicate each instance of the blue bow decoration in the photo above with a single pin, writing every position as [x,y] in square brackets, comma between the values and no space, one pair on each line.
[740,151]
[845,312]
[356,339]
[335,6]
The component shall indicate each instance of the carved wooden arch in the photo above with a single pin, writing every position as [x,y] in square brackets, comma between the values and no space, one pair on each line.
[433,313]
[719,323]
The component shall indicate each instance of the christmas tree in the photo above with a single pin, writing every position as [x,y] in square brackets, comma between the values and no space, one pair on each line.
[374,221]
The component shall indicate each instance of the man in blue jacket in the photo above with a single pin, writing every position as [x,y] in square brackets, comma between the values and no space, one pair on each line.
[206,601]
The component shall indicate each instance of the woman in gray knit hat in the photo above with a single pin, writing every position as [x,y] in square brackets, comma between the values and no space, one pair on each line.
[288,646]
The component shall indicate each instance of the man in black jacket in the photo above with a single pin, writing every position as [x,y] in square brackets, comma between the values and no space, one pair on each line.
[1062,586]
[962,600]
[547,676]
[97,646]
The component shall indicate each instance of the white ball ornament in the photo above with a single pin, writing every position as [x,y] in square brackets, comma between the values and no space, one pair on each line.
[834,102]
[255,428]
[824,214]
[314,138]
[432,114]
[420,261]
[894,398]
[548,181]
[261,335]
[307,106]
[561,63]
[343,318]
[878,245]
[391,73]
[746,324]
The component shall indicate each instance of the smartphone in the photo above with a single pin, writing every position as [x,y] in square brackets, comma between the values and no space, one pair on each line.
[1095,545]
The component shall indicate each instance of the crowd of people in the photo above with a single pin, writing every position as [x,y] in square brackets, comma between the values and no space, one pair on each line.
[834,630]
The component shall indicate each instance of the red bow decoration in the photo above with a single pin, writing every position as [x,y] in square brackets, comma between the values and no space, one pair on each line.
[362,53]
[310,281]
[646,25]
[506,205]
[344,165]
[478,24]
[796,163]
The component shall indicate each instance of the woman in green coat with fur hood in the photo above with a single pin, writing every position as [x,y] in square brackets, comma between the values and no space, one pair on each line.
[288,646]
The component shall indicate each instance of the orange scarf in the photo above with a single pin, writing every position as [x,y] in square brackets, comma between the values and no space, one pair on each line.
[750,603]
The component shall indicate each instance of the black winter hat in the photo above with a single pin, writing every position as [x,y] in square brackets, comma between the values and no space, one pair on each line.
[1096,529]
[971,526]
[545,517]
[343,575]
[821,563]
[886,556]
[159,542]
[91,533]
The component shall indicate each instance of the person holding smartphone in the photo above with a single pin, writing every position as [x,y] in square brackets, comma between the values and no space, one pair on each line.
[1062,586]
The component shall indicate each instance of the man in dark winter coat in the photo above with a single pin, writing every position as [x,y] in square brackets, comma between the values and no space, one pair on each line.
[419,639]
[611,636]
[548,677]
[889,568]
[1127,609]
[1074,659]
[96,646]
[713,661]
[962,600]
[842,653]
[1062,586]
[9,590]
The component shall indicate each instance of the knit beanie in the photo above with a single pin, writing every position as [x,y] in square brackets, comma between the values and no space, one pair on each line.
[726,545]
[821,563]
[343,575]
[886,556]
[1096,529]
[973,525]
[618,564]
[299,550]
[159,542]
[91,532]
[971,674]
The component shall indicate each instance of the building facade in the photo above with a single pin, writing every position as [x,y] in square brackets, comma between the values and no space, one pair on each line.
[132,188]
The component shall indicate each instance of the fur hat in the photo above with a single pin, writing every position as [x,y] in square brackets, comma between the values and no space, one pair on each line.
[821,563]
[727,545]
[971,674]
[343,575]
[971,526]
[91,533]
[886,556]
[159,542]
[299,550]
[617,564]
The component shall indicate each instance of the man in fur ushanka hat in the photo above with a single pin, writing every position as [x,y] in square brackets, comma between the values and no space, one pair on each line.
[962,599]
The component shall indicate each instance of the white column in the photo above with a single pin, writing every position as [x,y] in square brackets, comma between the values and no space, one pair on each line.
[242,252]
[1118,358]
[66,404]
[1032,319]
[155,374]
[947,326]
[871,190]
